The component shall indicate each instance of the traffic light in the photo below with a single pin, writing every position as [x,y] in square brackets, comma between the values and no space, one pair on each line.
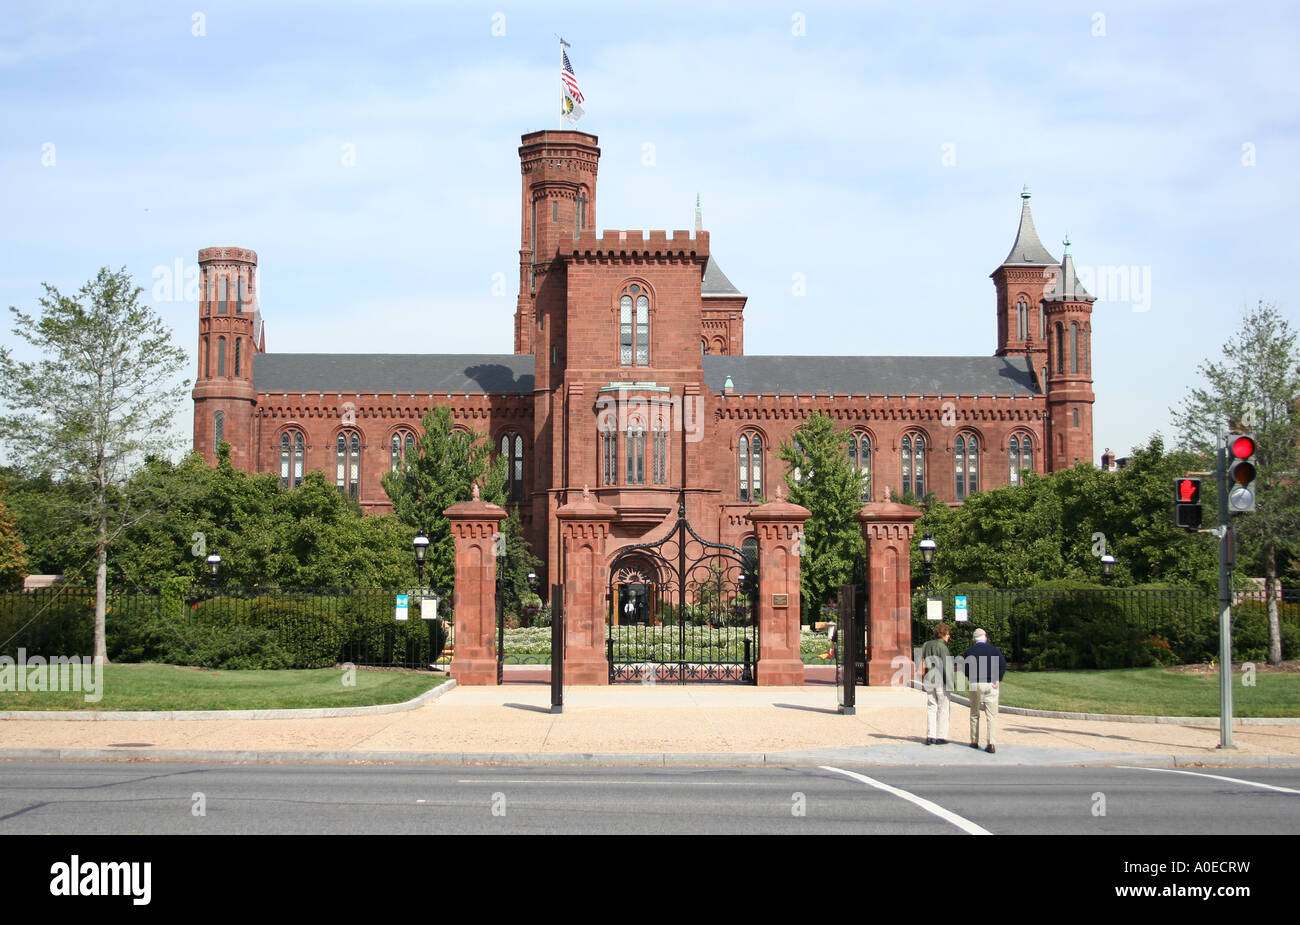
[1241,473]
[1187,503]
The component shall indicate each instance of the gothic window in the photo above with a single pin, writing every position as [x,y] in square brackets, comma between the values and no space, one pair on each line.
[239,296]
[1074,347]
[860,459]
[635,472]
[1042,321]
[966,465]
[401,447]
[238,341]
[221,356]
[218,429]
[291,455]
[913,451]
[207,368]
[347,463]
[609,455]
[1060,349]
[660,454]
[750,459]
[221,296]
[1076,417]
[1022,319]
[512,449]
[634,327]
[1021,452]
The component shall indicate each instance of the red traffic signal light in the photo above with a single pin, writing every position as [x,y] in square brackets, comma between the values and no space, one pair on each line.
[1241,473]
[1187,503]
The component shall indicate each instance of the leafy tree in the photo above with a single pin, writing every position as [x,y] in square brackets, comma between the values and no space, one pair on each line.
[831,489]
[13,554]
[1255,386]
[447,463]
[103,396]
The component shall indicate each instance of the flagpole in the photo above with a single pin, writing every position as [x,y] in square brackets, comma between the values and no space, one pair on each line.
[559,117]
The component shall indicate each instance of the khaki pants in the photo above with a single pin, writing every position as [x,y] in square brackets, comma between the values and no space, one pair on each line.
[983,699]
[937,708]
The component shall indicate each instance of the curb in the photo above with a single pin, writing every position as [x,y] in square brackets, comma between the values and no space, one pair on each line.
[1130,718]
[106,716]
[592,759]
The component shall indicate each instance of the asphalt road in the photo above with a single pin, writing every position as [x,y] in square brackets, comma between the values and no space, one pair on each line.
[96,798]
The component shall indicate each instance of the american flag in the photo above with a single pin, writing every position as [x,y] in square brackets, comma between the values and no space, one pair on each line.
[570,79]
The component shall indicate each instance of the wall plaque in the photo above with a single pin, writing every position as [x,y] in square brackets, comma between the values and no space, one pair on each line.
[780,600]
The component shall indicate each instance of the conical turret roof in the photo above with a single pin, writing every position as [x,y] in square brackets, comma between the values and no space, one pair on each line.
[1068,288]
[1028,250]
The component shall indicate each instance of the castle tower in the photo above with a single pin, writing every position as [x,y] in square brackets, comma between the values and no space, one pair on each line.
[558,204]
[1022,281]
[230,333]
[1069,380]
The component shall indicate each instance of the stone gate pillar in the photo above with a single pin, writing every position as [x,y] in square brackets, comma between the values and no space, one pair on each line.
[779,525]
[473,525]
[887,531]
[584,532]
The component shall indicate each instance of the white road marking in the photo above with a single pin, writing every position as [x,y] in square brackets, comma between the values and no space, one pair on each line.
[1231,780]
[960,822]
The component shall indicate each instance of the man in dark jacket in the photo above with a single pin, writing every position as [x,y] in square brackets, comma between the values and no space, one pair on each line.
[984,665]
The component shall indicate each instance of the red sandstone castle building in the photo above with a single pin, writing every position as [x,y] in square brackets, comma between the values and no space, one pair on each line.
[629,376]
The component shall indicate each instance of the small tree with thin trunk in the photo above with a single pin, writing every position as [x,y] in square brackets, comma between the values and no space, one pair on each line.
[1255,387]
[102,397]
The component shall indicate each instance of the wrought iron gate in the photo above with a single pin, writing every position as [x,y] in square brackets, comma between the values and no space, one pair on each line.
[683,609]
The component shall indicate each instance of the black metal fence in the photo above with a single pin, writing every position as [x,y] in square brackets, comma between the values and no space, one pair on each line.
[226,627]
[1107,627]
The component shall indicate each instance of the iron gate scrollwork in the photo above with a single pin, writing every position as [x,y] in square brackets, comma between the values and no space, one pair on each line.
[683,609]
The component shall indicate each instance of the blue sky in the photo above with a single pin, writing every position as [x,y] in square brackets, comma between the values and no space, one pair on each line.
[877,150]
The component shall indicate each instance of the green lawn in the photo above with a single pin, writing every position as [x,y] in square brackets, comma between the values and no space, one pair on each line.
[166,687]
[1149,691]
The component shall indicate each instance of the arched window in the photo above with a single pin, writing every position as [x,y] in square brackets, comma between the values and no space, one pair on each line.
[860,459]
[1021,453]
[1042,321]
[347,463]
[1022,319]
[221,296]
[512,449]
[401,447]
[1074,347]
[1060,349]
[750,464]
[221,356]
[291,456]
[966,465]
[207,368]
[238,341]
[240,288]
[634,326]
[218,429]
[1076,417]
[634,474]
[913,450]
[609,454]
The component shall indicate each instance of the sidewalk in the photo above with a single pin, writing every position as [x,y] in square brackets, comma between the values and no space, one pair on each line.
[655,725]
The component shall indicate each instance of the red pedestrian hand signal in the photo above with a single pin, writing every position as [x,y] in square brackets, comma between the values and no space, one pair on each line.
[1189,490]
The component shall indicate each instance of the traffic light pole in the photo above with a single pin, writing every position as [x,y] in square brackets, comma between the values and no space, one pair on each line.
[1224,532]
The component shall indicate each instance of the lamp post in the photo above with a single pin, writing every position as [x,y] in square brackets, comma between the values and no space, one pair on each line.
[421,544]
[214,562]
[928,546]
[1107,569]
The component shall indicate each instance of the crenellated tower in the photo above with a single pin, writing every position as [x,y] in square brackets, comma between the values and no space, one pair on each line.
[230,334]
[558,204]
[1069,379]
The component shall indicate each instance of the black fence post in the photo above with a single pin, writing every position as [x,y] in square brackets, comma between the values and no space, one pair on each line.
[557,648]
[844,650]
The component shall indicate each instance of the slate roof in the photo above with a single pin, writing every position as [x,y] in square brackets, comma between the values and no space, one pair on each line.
[715,281]
[806,375]
[1027,250]
[393,372]
[1067,285]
